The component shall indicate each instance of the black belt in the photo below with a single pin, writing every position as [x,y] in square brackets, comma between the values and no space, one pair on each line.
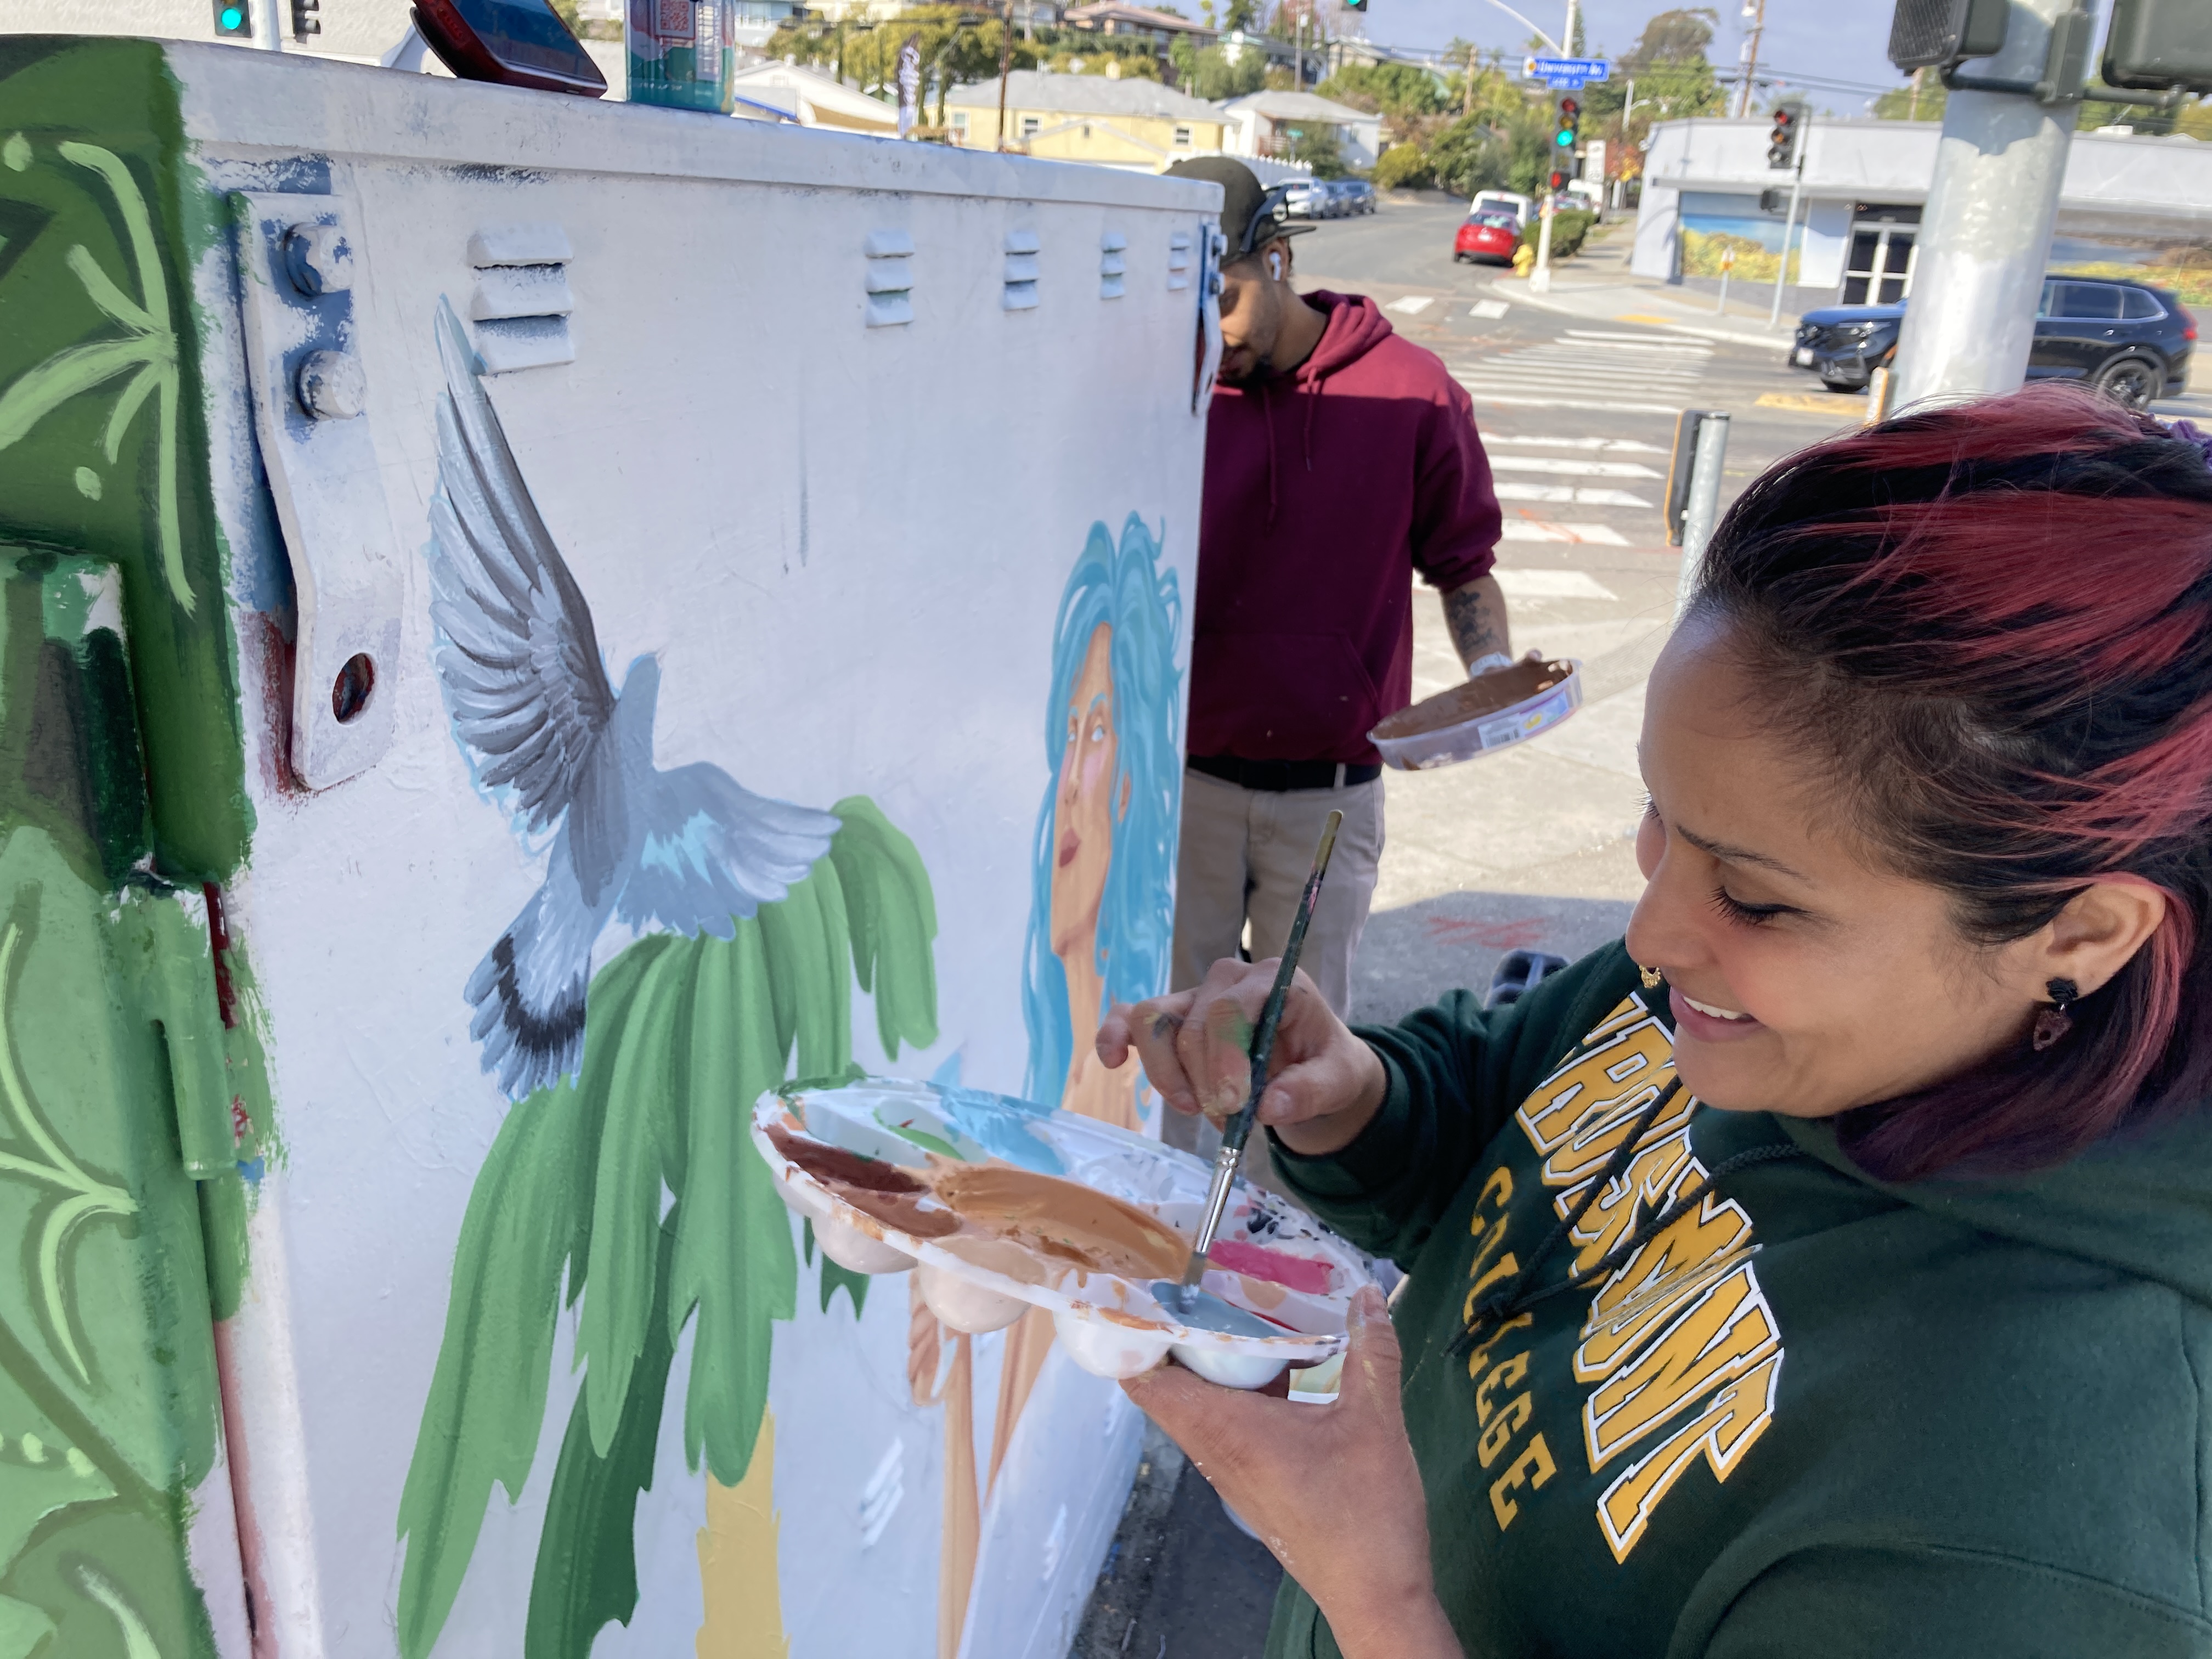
[1279,775]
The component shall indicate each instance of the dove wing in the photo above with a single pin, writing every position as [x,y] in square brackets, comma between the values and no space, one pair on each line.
[715,851]
[516,653]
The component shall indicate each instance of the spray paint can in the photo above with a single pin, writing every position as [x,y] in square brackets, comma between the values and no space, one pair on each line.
[682,53]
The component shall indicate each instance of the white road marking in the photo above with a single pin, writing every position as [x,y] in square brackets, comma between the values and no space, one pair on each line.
[1511,489]
[1541,529]
[1620,445]
[1491,309]
[1413,304]
[1643,343]
[1609,407]
[1577,469]
[1520,584]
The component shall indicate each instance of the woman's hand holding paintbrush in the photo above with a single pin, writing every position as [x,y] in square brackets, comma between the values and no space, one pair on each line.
[1323,1083]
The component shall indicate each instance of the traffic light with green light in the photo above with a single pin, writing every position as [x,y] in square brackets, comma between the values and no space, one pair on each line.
[233,19]
[1566,129]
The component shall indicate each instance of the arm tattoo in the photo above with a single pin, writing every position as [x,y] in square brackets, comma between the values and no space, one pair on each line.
[1475,614]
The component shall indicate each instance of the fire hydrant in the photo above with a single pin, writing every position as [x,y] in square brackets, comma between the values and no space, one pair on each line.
[1524,257]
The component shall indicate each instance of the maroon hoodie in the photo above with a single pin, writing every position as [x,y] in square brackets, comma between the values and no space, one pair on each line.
[1325,489]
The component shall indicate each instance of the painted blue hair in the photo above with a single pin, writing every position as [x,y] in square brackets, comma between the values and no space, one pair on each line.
[1125,588]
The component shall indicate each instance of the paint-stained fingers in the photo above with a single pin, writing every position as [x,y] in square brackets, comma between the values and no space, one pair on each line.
[1149,1030]
[1373,1364]
[1218,1427]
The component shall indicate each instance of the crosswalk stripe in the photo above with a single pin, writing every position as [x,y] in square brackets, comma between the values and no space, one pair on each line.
[1610,406]
[1573,469]
[1514,489]
[1628,446]
[1553,368]
[1543,530]
[1645,340]
[1519,582]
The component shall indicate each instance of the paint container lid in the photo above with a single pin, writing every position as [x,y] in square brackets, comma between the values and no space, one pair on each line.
[886,1168]
[1482,715]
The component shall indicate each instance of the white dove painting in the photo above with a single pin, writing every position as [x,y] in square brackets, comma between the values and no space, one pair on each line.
[692,849]
[621,1182]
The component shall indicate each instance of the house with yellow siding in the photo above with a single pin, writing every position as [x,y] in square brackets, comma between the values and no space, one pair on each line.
[1137,125]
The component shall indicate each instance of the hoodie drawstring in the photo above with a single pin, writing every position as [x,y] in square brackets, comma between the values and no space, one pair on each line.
[1313,399]
[1490,1314]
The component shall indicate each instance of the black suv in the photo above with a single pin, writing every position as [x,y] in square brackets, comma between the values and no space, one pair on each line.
[2128,340]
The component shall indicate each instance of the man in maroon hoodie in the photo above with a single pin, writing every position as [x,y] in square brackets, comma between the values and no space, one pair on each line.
[1341,459]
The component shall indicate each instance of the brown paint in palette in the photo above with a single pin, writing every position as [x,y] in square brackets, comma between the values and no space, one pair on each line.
[1061,1220]
[995,1215]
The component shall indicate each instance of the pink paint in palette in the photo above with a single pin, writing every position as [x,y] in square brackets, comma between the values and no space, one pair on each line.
[1293,1272]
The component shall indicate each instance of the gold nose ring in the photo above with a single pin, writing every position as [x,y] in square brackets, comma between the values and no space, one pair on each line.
[1652,978]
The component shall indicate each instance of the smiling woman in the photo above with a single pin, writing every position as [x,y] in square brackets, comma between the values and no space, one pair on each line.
[1827,1270]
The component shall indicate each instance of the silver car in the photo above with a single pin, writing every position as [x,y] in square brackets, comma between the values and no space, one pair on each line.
[1309,198]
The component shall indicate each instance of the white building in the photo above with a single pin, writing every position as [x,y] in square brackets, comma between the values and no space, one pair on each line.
[1267,123]
[2129,205]
[811,98]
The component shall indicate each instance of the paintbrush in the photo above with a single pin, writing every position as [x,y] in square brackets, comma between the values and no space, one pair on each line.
[1239,1129]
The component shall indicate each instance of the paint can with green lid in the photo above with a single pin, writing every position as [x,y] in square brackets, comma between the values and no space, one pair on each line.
[680,53]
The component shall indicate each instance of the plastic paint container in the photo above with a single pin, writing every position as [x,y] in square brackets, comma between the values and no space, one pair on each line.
[682,53]
[1490,712]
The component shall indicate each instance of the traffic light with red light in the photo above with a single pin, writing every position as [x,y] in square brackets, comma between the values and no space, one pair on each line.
[1782,142]
[233,19]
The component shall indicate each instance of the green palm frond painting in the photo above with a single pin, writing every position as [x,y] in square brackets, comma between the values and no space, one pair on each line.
[146,352]
[681,1035]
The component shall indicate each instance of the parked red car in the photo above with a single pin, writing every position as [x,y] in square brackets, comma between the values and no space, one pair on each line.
[1487,236]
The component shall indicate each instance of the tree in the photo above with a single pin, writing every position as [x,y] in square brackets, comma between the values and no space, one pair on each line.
[1207,72]
[1241,16]
[1680,36]
[1317,148]
[1392,89]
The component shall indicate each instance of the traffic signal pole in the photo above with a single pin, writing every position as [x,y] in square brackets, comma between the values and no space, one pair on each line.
[1985,232]
[1803,135]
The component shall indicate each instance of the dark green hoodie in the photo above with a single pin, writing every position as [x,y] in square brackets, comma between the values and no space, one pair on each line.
[1815,1416]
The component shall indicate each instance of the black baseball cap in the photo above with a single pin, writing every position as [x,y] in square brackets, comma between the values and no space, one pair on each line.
[1252,215]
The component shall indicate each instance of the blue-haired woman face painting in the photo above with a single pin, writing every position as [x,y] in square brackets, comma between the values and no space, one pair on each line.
[1101,912]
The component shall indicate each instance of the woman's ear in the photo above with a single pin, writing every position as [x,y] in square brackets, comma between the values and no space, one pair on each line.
[2099,932]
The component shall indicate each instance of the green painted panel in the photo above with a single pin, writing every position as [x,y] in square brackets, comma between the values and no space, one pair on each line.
[108,1402]
[103,444]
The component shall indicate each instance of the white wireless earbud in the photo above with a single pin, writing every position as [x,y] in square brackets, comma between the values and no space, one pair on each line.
[1275,264]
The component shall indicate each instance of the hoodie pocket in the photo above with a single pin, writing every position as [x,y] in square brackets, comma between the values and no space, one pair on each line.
[1286,696]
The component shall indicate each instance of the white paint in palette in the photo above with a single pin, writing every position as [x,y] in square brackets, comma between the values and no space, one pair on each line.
[885,1490]
[1490,310]
[1542,530]
[1625,446]
[1513,490]
[1573,469]
[1412,304]
[1523,584]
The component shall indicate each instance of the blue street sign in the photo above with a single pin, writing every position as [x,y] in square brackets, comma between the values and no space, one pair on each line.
[1564,83]
[1586,68]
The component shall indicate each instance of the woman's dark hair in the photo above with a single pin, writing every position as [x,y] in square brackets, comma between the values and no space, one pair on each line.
[1993,622]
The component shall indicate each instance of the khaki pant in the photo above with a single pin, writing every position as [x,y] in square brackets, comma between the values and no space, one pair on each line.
[1245,857]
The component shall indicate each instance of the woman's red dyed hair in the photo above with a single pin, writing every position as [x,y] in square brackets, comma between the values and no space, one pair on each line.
[1995,620]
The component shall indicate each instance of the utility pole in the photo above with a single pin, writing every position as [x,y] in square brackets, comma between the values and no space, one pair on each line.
[1005,64]
[1751,58]
[1985,232]
[1466,99]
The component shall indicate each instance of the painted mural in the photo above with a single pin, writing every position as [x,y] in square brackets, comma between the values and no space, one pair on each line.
[674,944]
[1102,923]
[621,1185]
[121,811]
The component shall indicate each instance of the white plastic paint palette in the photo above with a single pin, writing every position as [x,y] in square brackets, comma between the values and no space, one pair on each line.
[1270,1261]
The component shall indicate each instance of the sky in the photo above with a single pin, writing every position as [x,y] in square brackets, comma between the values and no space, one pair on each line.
[1840,40]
